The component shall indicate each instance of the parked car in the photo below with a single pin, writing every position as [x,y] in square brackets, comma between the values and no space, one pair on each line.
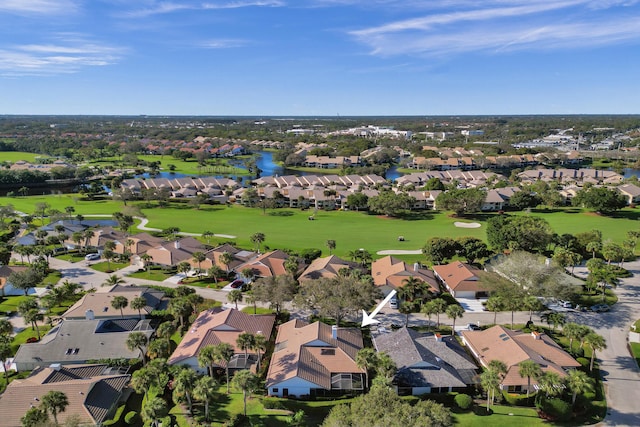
[565,304]
[237,284]
[599,308]
[92,257]
[473,327]
[393,303]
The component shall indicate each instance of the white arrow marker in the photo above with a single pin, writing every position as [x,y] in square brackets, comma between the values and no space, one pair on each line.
[369,319]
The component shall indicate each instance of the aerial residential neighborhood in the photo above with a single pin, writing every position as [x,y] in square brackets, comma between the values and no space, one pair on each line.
[457,283]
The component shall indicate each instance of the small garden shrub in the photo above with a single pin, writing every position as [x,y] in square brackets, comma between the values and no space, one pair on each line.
[554,409]
[464,401]
[518,399]
[131,418]
[272,403]
[584,362]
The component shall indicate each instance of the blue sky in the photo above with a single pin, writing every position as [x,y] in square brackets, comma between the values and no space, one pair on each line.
[319,57]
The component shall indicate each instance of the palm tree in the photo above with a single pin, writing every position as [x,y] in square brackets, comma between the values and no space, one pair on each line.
[593,247]
[529,369]
[366,359]
[166,330]
[184,383]
[138,340]
[155,409]
[245,342]
[234,297]
[224,354]
[120,303]
[571,330]
[494,304]
[33,316]
[184,267]
[205,391]
[141,380]
[146,259]
[406,308]
[257,239]
[454,311]
[5,353]
[179,308]
[198,257]
[596,342]
[138,303]
[550,383]
[259,345]
[214,271]
[440,306]
[55,402]
[579,382]
[88,235]
[429,309]
[490,381]
[113,280]
[208,235]
[331,244]
[226,258]
[159,349]
[34,417]
[207,358]
[247,382]
[6,328]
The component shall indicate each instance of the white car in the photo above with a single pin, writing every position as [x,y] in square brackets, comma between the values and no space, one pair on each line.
[393,303]
[92,257]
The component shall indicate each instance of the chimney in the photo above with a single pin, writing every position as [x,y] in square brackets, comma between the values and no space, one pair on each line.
[176,244]
[416,266]
[55,366]
[334,332]
[89,315]
[536,335]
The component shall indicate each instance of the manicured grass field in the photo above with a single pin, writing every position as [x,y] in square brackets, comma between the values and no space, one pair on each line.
[501,416]
[14,156]
[190,167]
[59,202]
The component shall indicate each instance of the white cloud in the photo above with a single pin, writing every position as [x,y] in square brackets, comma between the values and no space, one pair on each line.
[69,56]
[535,25]
[43,7]
[159,8]
[224,43]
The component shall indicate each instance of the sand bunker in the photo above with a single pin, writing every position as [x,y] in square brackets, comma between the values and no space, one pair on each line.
[467,224]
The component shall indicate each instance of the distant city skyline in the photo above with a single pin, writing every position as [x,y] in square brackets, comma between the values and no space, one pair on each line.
[319,57]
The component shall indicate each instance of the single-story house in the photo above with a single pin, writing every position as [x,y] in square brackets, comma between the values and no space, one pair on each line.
[170,254]
[93,393]
[97,305]
[631,192]
[513,347]
[326,267]
[315,360]
[78,341]
[221,326]
[6,288]
[391,273]
[427,363]
[461,280]
[269,264]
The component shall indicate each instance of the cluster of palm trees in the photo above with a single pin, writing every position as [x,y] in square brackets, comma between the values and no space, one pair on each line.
[440,306]
[380,363]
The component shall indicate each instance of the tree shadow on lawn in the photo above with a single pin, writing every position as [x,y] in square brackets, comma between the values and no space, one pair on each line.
[625,214]
[414,216]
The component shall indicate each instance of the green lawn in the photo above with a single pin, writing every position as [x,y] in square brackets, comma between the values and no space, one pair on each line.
[158,275]
[72,257]
[190,167]
[502,416]
[14,156]
[109,267]
[59,202]
[10,304]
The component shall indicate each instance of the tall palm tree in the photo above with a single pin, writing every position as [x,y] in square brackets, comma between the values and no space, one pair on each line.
[159,349]
[331,244]
[141,380]
[593,247]
[113,280]
[120,303]
[246,341]
[257,239]
[33,316]
[34,417]
[234,297]
[146,259]
[205,391]
[138,340]
[138,303]
[429,309]
[490,381]
[366,359]
[247,382]
[88,235]
[155,409]
[550,383]
[571,330]
[55,402]
[207,358]
[5,353]
[224,354]
[226,258]
[454,311]
[166,330]
[184,383]
[596,342]
[529,369]
[207,235]
[440,306]
[579,382]
[494,304]
[199,257]
[214,271]
[259,345]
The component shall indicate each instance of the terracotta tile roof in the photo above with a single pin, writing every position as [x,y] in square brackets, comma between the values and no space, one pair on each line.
[327,267]
[513,347]
[267,265]
[90,392]
[217,326]
[390,271]
[310,352]
[458,276]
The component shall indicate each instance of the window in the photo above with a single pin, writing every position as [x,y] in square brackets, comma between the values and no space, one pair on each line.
[275,390]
